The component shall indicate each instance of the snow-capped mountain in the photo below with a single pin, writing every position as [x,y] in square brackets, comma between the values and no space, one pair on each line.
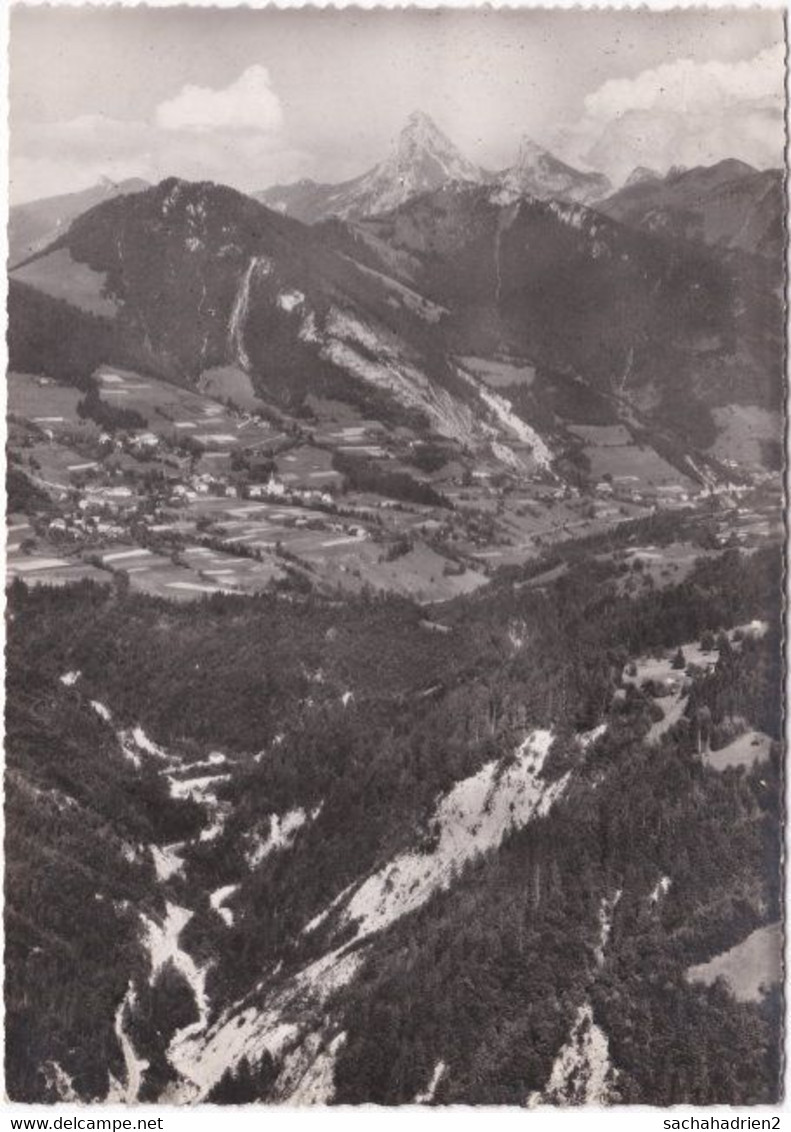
[539,173]
[421,159]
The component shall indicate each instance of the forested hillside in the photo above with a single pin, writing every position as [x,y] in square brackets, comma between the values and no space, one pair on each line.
[319,739]
[395,559]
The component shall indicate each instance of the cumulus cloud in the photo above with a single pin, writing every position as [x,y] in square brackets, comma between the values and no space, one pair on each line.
[52,158]
[684,112]
[232,135]
[685,85]
[249,103]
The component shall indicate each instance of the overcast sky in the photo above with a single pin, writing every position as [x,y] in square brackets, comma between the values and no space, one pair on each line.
[251,98]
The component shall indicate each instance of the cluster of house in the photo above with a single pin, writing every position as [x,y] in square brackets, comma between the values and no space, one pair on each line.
[98,511]
[275,489]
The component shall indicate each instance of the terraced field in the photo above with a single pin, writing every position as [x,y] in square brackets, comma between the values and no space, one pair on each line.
[176,413]
[62,277]
[46,403]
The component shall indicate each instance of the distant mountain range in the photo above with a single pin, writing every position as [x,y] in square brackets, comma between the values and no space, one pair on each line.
[639,174]
[35,224]
[729,205]
[424,159]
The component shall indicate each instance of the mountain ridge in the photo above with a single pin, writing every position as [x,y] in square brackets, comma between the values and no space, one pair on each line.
[423,159]
[34,224]
[196,274]
[538,173]
[729,205]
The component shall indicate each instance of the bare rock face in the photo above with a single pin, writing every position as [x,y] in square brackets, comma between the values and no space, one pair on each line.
[539,173]
[421,160]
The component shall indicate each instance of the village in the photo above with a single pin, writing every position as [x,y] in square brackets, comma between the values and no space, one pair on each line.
[182,495]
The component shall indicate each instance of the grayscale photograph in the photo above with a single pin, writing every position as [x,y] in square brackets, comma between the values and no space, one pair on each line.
[394,556]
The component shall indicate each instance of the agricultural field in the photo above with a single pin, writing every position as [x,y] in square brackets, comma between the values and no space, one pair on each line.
[39,561]
[179,575]
[212,491]
[421,573]
[750,748]
[638,469]
[56,465]
[665,565]
[46,403]
[613,455]
[474,498]
[229,382]
[182,577]
[308,468]
[175,413]
[363,437]
[531,525]
[18,528]
[749,968]
[233,572]
[53,571]
[62,277]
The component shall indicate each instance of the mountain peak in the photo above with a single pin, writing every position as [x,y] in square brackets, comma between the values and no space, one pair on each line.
[420,120]
[539,173]
[421,159]
[639,175]
[420,136]
[530,152]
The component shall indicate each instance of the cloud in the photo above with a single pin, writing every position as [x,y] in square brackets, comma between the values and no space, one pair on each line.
[685,86]
[52,158]
[33,178]
[659,139]
[232,135]
[684,112]
[249,103]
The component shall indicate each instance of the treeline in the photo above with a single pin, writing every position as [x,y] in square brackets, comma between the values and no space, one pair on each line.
[362,474]
[487,977]
[265,676]
[107,416]
[49,336]
[23,495]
